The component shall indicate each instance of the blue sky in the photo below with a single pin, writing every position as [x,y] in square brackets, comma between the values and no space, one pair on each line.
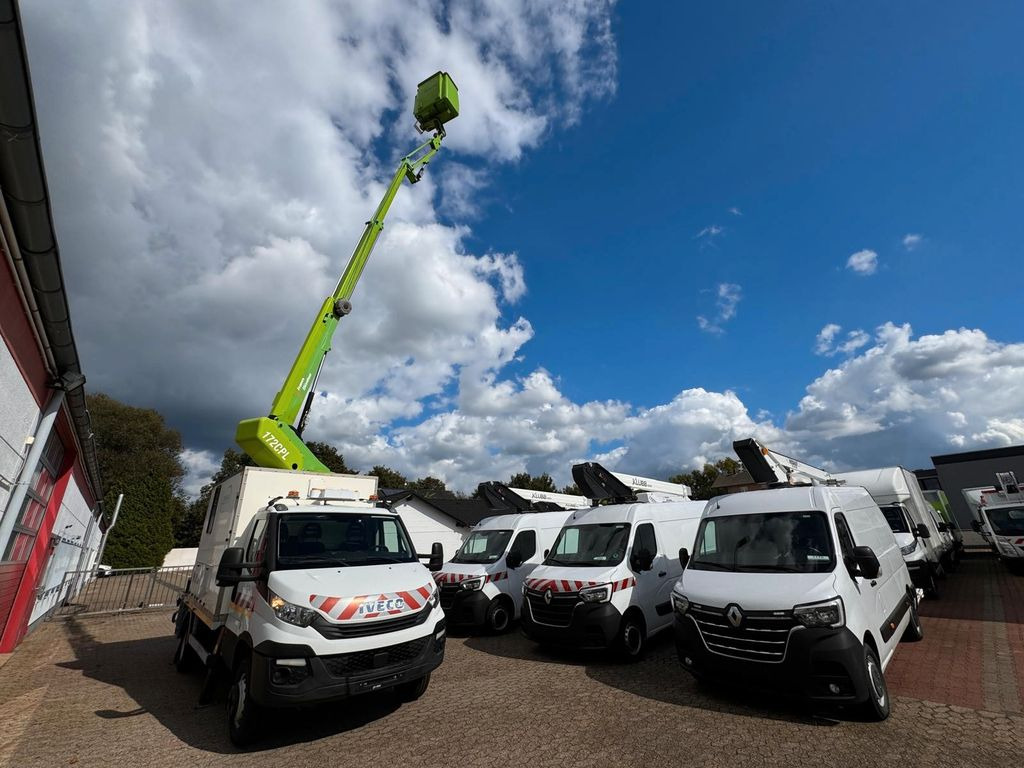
[635,247]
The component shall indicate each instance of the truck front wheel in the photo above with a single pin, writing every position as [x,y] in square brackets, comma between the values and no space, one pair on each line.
[414,688]
[243,711]
[877,707]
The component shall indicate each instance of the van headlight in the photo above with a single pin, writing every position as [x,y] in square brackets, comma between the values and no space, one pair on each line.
[909,548]
[472,585]
[680,604]
[601,594]
[290,613]
[828,613]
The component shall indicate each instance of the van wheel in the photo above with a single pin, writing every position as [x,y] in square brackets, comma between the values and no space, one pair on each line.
[878,706]
[243,711]
[914,631]
[498,616]
[414,689]
[632,638]
[931,587]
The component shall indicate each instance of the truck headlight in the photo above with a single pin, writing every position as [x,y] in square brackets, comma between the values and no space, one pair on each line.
[290,613]
[909,548]
[472,585]
[680,604]
[434,599]
[828,613]
[600,594]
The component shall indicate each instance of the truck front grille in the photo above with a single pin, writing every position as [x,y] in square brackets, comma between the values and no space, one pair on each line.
[761,636]
[344,664]
[557,613]
[366,628]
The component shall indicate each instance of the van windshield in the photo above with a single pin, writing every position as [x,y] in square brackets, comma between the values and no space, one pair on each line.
[323,540]
[598,545]
[1007,522]
[896,518]
[797,542]
[483,547]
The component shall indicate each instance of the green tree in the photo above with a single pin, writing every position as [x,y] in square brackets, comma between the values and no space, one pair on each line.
[190,528]
[139,457]
[701,480]
[389,478]
[430,487]
[526,480]
[572,489]
[330,457]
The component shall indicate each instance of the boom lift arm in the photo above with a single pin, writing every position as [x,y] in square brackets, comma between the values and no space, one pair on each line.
[768,466]
[275,441]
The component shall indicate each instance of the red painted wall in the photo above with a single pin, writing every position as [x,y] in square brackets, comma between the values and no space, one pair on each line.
[21,610]
[17,332]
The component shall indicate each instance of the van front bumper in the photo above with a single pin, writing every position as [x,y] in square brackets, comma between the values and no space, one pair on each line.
[466,609]
[592,626]
[815,659]
[339,676]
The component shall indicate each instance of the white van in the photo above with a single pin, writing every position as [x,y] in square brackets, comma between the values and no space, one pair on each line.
[911,518]
[304,601]
[481,587]
[799,588]
[999,515]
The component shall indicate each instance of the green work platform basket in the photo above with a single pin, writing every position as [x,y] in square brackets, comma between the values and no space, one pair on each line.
[437,101]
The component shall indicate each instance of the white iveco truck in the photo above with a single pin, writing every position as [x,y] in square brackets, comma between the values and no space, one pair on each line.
[999,513]
[304,591]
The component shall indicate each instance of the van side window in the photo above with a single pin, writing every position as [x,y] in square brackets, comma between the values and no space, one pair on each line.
[255,550]
[645,539]
[388,536]
[569,542]
[709,542]
[525,544]
[846,543]
[213,509]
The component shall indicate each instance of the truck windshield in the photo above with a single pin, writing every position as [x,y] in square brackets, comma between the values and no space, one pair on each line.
[483,547]
[896,518]
[797,542]
[1007,522]
[596,545]
[323,540]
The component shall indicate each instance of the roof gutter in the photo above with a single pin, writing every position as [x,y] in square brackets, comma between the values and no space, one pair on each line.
[26,222]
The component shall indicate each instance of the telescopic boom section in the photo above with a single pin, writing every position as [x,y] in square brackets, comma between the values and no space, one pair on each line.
[275,441]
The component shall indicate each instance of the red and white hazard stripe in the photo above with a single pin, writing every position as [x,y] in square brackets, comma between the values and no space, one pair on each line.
[371,606]
[575,585]
[446,577]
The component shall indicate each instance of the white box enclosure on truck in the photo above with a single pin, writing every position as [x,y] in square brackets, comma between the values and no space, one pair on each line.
[798,589]
[999,515]
[307,600]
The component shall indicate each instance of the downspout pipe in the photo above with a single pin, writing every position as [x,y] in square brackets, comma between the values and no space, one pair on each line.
[106,533]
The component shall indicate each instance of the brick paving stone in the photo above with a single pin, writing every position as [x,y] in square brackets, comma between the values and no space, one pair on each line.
[101,692]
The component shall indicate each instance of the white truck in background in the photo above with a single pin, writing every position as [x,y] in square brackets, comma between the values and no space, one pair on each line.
[999,512]
[912,520]
[306,590]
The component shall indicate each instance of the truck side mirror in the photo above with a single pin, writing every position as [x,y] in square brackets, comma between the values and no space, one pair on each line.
[867,562]
[684,557]
[436,556]
[229,572]
[514,559]
[976,525]
[922,531]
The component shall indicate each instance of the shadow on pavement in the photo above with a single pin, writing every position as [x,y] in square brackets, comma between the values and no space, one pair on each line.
[962,596]
[143,669]
[659,676]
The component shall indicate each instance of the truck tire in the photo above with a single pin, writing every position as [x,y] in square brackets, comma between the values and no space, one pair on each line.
[914,631]
[243,711]
[878,706]
[499,616]
[931,586]
[414,688]
[632,640]
[185,659]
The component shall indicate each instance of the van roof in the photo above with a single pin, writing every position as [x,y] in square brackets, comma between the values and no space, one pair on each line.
[628,513]
[523,520]
[796,499]
[883,481]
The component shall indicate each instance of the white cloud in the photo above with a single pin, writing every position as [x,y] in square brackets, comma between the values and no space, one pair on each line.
[735,211]
[729,296]
[863,262]
[199,467]
[709,233]
[824,339]
[911,241]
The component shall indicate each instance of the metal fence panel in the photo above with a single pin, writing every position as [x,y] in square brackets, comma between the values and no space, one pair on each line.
[125,589]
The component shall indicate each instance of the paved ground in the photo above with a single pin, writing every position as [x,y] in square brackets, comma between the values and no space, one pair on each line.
[101,692]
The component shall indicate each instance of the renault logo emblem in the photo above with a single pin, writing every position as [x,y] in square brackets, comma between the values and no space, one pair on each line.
[547,597]
[734,615]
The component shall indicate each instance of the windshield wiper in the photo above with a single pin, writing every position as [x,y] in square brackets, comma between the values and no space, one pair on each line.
[388,559]
[312,558]
[772,567]
[556,561]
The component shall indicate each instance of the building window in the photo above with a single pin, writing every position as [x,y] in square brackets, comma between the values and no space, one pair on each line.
[33,509]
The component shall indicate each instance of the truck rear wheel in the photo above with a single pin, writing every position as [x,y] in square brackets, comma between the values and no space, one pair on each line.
[414,688]
[185,659]
[243,711]
[914,631]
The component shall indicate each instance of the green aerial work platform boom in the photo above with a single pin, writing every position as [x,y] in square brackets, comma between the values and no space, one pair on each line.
[275,441]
